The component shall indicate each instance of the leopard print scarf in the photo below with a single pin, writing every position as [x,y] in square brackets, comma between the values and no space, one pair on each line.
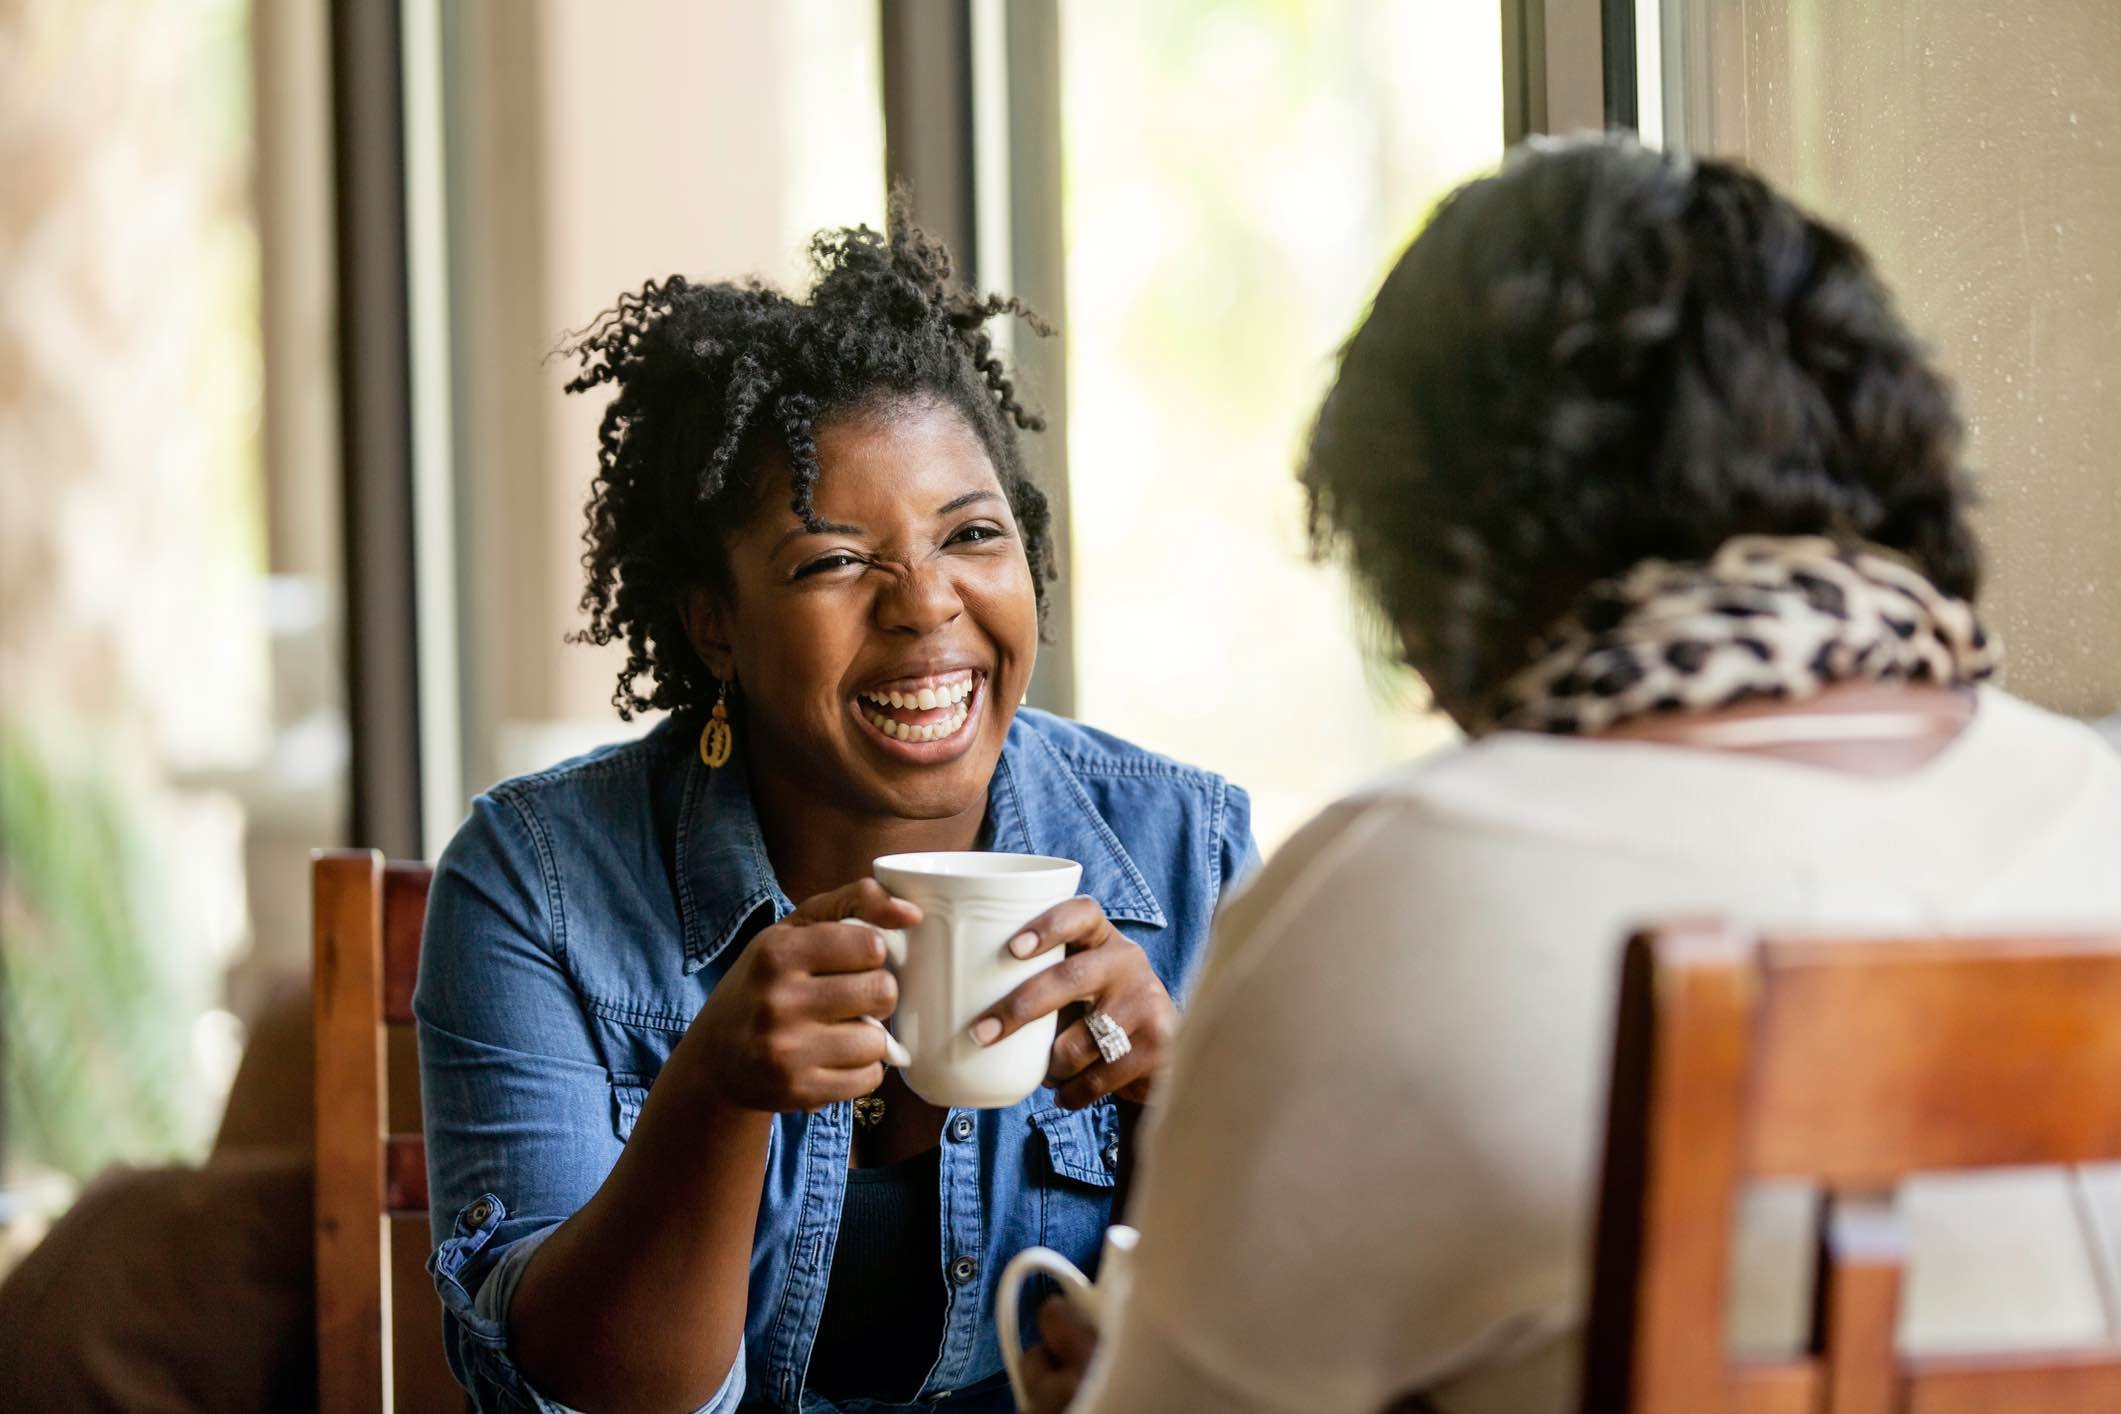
[1766,617]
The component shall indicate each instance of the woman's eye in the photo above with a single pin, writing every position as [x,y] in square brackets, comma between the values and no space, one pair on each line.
[974,534]
[826,563]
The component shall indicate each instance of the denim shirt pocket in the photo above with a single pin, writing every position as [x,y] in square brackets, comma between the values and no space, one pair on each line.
[1081,1171]
[1082,1145]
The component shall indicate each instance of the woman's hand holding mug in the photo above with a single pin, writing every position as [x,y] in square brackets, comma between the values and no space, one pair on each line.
[793,1024]
[1053,1370]
[1107,972]
[1045,1379]
[797,1022]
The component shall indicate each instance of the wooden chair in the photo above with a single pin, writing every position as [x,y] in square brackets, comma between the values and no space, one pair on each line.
[1851,1064]
[374,1352]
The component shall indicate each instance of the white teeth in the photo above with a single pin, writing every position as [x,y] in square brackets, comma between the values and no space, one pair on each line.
[929,731]
[926,698]
[951,695]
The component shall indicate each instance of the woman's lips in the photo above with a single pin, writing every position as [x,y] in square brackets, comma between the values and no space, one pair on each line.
[923,719]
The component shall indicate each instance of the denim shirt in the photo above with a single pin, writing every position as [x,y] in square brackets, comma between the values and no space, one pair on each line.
[577,923]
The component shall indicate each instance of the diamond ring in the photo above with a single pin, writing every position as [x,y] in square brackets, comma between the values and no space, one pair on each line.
[1111,1037]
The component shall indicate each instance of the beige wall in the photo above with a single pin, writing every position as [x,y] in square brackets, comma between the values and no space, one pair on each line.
[1975,147]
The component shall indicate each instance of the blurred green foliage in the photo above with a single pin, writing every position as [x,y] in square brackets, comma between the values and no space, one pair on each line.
[95,1059]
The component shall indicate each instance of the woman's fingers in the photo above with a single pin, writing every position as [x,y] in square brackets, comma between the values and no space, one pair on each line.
[823,949]
[1066,1332]
[865,899]
[1107,1078]
[845,1045]
[1148,1038]
[1049,1386]
[843,996]
[1078,922]
[1075,1051]
[830,1085]
[1053,1369]
[1078,977]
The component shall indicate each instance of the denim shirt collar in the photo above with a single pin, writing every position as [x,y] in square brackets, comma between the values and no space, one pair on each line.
[1035,805]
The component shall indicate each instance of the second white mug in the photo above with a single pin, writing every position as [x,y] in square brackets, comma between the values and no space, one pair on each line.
[1115,1274]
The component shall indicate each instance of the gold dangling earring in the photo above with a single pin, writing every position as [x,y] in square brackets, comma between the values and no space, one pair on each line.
[716,740]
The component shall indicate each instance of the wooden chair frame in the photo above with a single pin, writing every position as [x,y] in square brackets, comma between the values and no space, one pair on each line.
[367,916]
[1851,1064]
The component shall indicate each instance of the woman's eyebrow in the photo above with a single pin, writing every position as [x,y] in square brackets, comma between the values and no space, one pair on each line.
[823,527]
[826,527]
[968,499]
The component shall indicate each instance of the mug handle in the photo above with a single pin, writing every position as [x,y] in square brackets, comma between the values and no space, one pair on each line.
[1029,1262]
[894,958]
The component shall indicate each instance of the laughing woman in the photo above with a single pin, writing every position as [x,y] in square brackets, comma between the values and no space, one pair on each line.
[646,971]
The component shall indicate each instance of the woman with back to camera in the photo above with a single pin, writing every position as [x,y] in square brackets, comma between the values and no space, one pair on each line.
[1668,508]
[641,1056]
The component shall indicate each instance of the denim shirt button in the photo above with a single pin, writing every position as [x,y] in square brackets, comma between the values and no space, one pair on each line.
[963,1270]
[1112,1155]
[480,1212]
[961,1127]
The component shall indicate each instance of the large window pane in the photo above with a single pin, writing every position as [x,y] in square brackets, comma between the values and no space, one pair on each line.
[1238,178]
[1971,145]
[593,147]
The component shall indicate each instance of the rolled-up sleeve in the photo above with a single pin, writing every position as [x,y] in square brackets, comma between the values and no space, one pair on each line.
[521,1115]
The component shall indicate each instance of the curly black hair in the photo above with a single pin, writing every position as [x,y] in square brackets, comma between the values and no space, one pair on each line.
[1603,354]
[710,381]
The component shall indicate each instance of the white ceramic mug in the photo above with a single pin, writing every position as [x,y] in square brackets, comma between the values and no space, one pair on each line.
[955,964]
[1115,1271]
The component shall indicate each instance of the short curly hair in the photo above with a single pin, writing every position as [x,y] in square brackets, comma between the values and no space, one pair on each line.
[1603,354]
[710,380]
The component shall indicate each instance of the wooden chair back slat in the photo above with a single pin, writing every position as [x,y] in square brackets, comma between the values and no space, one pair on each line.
[367,917]
[347,1003]
[1770,1387]
[1967,1055]
[2053,1382]
[1856,1303]
[1849,1064]
[1671,1162]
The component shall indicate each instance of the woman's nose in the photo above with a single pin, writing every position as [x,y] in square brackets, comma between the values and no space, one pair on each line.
[919,601]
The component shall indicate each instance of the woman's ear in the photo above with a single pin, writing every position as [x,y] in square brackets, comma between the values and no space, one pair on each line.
[707,629]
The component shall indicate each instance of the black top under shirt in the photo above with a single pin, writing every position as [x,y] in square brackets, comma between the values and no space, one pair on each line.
[883,1321]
